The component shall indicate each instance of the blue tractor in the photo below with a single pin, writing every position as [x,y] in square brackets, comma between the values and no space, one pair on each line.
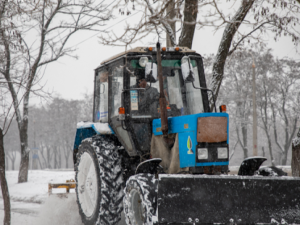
[156,151]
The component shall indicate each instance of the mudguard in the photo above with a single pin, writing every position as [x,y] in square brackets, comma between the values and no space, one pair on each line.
[228,199]
[149,166]
[88,130]
[250,165]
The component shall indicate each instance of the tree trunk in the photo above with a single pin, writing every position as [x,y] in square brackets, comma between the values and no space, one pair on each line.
[4,187]
[24,165]
[13,159]
[48,157]
[67,161]
[41,167]
[284,159]
[6,165]
[223,50]
[270,148]
[296,160]
[59,159]
[171,15]
[189,23]
[245,139]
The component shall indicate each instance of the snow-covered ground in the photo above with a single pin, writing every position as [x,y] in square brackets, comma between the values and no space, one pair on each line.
[31,204]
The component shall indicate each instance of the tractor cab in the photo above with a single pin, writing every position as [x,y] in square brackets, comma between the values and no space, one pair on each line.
[130,82]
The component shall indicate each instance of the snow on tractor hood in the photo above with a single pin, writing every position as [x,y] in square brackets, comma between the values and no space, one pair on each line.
[100,128]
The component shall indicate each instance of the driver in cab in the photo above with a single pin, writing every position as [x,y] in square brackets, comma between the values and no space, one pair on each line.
[148,99]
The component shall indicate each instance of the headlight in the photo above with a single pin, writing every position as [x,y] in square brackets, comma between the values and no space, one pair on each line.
[143,61]
[222,153]
[202,153]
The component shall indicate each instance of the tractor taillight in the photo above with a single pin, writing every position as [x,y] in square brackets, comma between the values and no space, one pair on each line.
[223,108]
[121,113]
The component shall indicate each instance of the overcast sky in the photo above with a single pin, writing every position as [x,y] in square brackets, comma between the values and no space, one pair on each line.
[70,78]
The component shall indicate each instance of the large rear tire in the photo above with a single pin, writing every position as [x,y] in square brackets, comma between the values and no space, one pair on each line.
[99,180]
[140,199]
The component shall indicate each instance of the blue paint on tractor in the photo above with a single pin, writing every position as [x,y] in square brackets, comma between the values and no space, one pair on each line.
[186,127]
[83,133]
[87,131]
[213,164]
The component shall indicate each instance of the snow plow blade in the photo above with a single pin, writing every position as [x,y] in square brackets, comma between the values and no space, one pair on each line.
[228,199]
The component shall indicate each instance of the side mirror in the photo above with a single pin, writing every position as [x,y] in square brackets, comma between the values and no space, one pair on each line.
[186,69]
[151,72]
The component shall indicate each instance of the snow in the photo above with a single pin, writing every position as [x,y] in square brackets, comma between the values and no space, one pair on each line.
[31,204]
[296,141]
[84,124]
[255,157]
[100,128]
[230,176]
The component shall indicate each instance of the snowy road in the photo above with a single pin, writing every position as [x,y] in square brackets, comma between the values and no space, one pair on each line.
[54,211]
[31,205]
[31,209]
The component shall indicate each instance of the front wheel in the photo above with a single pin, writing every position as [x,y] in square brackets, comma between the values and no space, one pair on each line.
[99,181]
[140,199]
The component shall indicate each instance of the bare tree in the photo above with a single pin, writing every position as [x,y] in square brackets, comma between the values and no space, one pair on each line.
[278,17]
[4,187]
[286,104]
[236,91]
[296,156]
[265,88]
[53,23]
[264,108]
[12,156]
[5,121]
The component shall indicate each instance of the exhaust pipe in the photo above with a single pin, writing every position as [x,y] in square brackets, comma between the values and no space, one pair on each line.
[162,98]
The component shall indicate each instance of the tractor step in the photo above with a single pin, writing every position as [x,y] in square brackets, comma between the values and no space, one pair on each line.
[70,184]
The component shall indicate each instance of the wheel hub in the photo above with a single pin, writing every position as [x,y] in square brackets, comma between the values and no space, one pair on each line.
[136,207]
[87,182]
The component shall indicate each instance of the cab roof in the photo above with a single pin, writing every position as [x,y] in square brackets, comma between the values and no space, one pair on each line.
[146,50]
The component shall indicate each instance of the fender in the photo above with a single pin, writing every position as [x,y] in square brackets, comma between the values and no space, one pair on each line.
[88,130]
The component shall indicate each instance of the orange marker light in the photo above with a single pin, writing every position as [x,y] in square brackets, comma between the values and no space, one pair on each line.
[164,49]
[177,49]
[223,108]
[121,110]
[121,113]
[150,49]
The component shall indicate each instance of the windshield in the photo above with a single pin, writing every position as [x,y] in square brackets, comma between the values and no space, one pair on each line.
[181,97]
